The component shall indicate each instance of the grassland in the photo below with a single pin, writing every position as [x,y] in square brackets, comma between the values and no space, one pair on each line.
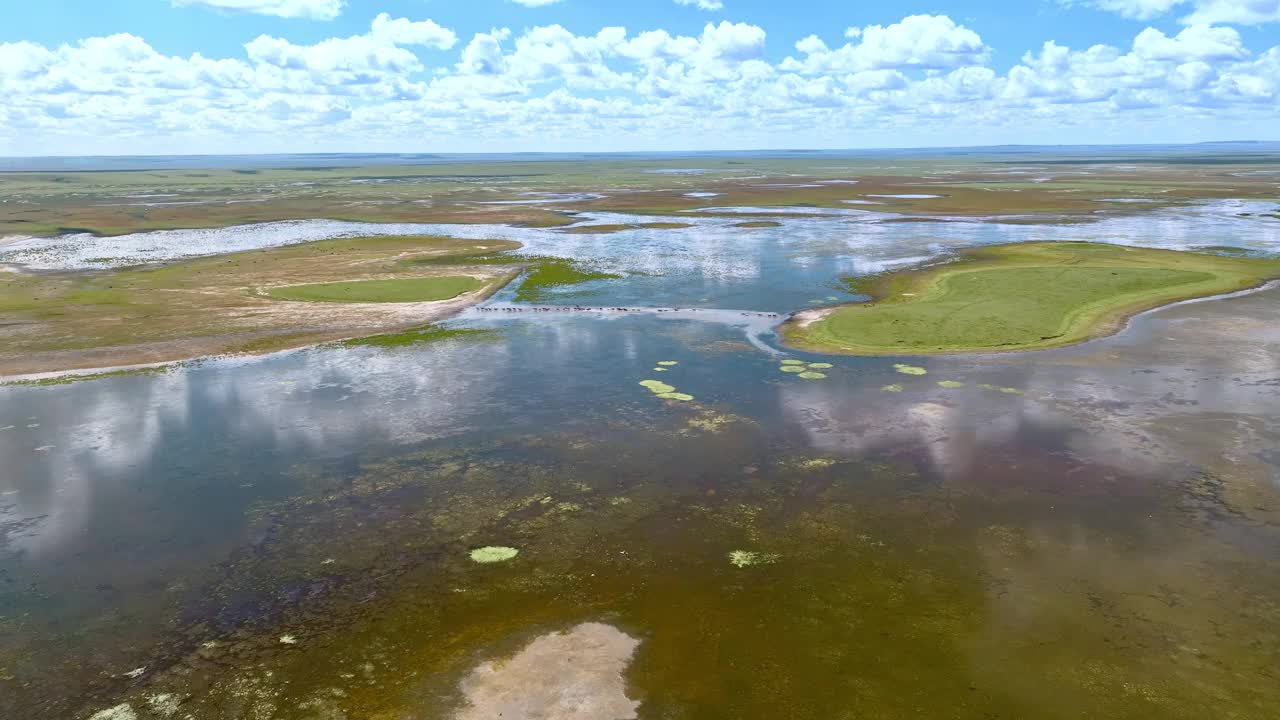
[425,289]
[1018,297]
[224,304]
[1026,188]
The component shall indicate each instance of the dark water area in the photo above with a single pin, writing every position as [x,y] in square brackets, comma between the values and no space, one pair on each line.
[1086,532]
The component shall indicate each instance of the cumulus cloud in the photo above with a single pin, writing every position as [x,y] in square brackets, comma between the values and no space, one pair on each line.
[536,3]
[918,41]
[311,9]
[392,86]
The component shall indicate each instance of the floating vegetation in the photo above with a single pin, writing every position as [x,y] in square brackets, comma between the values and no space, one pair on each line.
[493,554]
[668,363]
[1011,391]
[810,375]
[950,384]
[793,362]
[792,368]
[815,463]
[657,387]
[892,388]
[988,386]
[747,558]
[620,500]
[820,366]
[682,397]
[659,369]
[119,712]
[712,421]
[910,369]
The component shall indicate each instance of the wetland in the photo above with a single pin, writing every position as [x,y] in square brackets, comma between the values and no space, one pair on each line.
[408,455]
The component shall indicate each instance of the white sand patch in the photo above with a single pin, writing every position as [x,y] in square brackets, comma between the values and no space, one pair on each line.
[573,675]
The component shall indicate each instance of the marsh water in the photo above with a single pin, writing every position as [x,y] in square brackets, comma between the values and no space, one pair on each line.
[1086,532]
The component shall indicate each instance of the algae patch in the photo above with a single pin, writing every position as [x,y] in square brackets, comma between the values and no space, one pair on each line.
[493,554]
[657,387]
[910,369]
[950,384]
[748,558]
[809,375]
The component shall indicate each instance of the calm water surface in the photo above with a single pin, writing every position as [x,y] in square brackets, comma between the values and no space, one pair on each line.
[1088,532]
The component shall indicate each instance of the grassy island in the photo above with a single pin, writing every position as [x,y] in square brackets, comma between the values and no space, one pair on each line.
[1024,296]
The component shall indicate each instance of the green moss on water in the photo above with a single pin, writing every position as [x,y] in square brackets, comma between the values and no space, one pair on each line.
[810,375]
[493,554]
[820,366]
[682,397]
[657,387]
[792,368]
[792,362]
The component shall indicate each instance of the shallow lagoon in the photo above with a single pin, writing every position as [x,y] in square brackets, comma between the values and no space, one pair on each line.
[1083,532]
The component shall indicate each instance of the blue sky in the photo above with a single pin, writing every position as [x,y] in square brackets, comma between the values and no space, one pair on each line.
[139,76]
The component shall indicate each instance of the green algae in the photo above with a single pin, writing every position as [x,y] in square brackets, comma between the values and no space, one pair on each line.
[895,388]
[950,384]
[657,387]
[682,397]
[910,369]
[748,558]
[812,375]
[493,554]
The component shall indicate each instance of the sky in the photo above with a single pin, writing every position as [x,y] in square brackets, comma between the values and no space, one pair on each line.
[121,77]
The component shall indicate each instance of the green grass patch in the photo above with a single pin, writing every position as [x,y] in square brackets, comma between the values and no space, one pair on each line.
[1021,297]
[85,377]
[380,291]
[416,336]
[552,274]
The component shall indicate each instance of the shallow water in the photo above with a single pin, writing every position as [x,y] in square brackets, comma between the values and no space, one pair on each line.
[1087,532]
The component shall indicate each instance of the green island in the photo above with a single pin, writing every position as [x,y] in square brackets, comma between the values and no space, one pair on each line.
[1025,296]
[358,288]
[405,290]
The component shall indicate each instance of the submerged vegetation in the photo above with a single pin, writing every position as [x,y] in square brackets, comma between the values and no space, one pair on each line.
[1021,297]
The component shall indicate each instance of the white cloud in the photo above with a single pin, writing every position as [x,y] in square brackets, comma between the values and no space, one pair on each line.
[311,9]
[918,41]
[703,4]
[1133,9]
[1243,12]
[536,3]
[391,88]
[1203,12]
